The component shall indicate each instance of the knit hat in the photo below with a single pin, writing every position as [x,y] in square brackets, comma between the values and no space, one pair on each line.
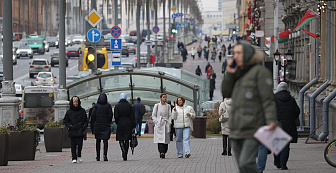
[122,96]
[282,86]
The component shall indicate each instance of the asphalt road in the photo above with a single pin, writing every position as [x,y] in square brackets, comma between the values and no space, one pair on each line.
[21,70]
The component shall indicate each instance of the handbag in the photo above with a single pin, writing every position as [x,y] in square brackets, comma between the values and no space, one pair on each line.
[134,142]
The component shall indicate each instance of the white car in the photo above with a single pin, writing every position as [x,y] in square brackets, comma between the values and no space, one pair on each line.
[24,50]
[45,78]
[78,39]
[14,57]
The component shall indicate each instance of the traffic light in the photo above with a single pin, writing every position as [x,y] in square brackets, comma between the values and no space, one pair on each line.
[234,31]
[174,31]
[90,60]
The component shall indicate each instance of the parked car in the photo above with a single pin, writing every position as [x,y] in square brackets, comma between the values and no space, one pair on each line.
[133,39]
[124,51]
[143,59]
[55,59]
[24,51]
[46,46]
[73,51]
[53,41]
[69,41]
[78,39]
[131,47]
[18,90]
[38,65]
[45,78]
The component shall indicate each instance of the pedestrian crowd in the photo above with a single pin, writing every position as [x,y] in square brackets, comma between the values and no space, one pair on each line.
[248,104]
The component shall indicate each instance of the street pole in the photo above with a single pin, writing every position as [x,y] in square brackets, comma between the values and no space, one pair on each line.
[148,33]
[139,39]
[116,12]
[164,32]
[156,35]
[276,44]
[7,41]
[62,59]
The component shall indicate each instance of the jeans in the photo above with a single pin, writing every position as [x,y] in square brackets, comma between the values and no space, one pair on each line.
[245,152]
[282,157]
[138,122]
[163,148]
[262,157]
[76,151]
[226,143]
[182,140]
[98,141]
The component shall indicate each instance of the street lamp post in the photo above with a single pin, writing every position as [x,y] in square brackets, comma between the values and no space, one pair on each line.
[287,60]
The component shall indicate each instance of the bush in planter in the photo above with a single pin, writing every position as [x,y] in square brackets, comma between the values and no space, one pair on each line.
[53,134]
[23,140]
[4,146]
[213,125]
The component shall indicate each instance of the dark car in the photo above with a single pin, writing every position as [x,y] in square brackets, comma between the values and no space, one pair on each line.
[73,51]
[133,39]
[55,59]
[124,51]
[53,41]
[131,47]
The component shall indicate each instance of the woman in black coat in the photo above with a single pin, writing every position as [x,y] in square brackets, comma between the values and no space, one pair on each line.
[287,112]
[76,121]
[102,119]
[124,117]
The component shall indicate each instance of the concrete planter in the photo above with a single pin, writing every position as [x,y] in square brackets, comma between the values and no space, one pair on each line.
[53,139]
[22,146]
[199,124]
[3,149]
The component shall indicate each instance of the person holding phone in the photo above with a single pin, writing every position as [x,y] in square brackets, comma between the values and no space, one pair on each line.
[250,86]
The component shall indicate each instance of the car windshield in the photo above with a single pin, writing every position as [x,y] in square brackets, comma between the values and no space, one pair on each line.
[55,54]
[39,62]
[78,37]
[51,39]
[34,41]
[44,75]
[24,47]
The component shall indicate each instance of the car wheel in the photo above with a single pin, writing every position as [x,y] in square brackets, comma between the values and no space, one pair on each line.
[31,57]
[31,75]
[18,57]
[67,64]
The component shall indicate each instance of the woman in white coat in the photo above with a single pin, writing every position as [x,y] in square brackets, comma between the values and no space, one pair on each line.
[162,119]
[183,116]
[223,112]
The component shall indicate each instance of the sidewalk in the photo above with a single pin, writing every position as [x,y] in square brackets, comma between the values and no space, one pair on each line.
[205,157]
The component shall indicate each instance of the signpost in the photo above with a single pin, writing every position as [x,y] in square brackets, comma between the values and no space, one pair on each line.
[116,44]
[93,18]
[116,60]
[93,35]
[115,31]
[156,29]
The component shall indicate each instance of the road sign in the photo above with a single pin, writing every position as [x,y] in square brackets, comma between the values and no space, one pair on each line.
[116,44]
[186,18]
[174,9]
[93,35]
[156,29]
[189,15]
[94,18]
[174,16]
[115,31]
[116,60]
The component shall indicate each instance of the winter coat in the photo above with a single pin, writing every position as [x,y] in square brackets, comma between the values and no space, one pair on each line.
[162,119]
[224,107]
[287,112]
[212,78]
[181,119]
[253,102]
[193,51]
[124,117]
[198,72]
[75,120]
[184,53]
[224,66]
[137,110]
[102,118]
[199,49]
[90,119]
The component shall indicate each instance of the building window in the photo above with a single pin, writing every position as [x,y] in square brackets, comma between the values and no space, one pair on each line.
[110,11]
[110,20]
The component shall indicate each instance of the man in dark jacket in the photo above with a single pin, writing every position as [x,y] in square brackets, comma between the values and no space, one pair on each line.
[124,117]
[102,119]
[198,71]
[212,78]
[249,84]
[184,54]
[287,112]
[90,118]
[139,111]
[75,121]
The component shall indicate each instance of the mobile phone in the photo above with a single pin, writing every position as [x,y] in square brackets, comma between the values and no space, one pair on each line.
[234,64]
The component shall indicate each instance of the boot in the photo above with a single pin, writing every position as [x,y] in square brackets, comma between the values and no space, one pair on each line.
[121,143]
[224,153]
[98,152]
[105,158]
[229,152]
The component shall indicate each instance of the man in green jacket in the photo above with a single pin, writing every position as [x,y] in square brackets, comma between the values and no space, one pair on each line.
[249,84]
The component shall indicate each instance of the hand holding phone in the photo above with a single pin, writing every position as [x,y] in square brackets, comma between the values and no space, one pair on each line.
[232,66]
